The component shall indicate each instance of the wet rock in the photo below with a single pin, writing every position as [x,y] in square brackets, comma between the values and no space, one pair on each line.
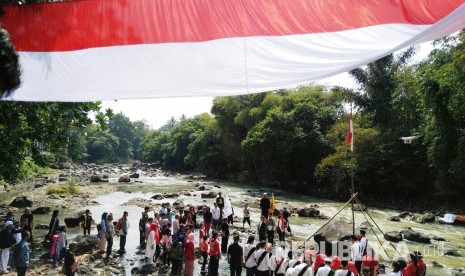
[197,185]
[217,186]
[393,236]
[404,215]
[359,207]
[157,197]
[436,238]
[436,264]
[172,195]
[72,222]
[179,204]
[201,188]
[146,269]
[428,218]
[135,270]
[134,175]
[21,202]
[415,236]
[86,244]
[124,179]
[95,178]
[308,212]
[39,185]
[41,210]
[394,218]
[41,226]
[452,253]
[208,195]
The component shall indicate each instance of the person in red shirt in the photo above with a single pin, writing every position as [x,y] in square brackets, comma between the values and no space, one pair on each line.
[415,268]
[201,231]
[215,254]
[204,251]
[371,261]
[420,264]
[189,254]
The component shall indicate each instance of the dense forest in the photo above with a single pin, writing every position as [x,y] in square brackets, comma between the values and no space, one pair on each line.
[287,139]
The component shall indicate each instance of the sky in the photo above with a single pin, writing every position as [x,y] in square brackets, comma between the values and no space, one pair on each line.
[156,112]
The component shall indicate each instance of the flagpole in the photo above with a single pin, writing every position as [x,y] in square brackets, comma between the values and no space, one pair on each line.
[352,172]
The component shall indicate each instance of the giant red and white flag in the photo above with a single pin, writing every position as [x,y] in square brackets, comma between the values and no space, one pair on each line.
[350,132]
[123,49]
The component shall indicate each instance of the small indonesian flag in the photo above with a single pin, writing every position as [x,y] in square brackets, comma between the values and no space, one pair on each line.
[282,223]
[350,132]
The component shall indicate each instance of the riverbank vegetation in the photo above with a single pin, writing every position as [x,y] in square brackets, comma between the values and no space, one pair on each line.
[292,139]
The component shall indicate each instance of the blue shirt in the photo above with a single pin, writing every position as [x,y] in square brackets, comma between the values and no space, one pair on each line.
[22,257]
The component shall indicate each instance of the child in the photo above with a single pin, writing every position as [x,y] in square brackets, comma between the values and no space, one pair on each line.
[55,249]
[204,251]
[63,242]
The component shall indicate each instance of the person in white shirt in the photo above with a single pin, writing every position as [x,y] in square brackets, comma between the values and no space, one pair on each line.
[344,271]
[175,225]
[363,243]
[305,268]
[263,260]
[396,269]
[291,264]
[324,271]
[216,216]
[162,210]
[356,254]
[249,256]
[278,262]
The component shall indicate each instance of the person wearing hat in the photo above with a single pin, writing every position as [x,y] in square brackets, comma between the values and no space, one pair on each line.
[6,241]
[265,205]
[326,269]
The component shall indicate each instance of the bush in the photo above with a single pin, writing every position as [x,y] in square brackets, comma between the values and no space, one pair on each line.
[69,188]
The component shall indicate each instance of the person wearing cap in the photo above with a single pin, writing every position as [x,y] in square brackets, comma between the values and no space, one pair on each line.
[265,205]
[344,271]
[326,269]
[6,241]
[235,256]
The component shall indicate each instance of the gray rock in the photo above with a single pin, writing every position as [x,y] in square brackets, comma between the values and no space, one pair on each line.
[201,188]
[394,218]
[393,236]
[415,236]
[452,253]
[95,178]
[86,244]
[157,197]
[335,231]
[134,175]
[21,202]
[41,226]
[436,238]
[208,195]
[72,222]
[428,218]
[41,210]
[308,212]
[404,214]
[436,264]
[124,179]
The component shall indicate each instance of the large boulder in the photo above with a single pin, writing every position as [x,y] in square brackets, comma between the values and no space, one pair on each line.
[335,231]
[201,188]
[415,236]
[41,210]
[124,179]
[134,175]
[208,195]
[394,218]
[21,202]
[428,218]
[308,212]
[72,222]
[178,204]
[95,178]
[393,236]
[86,244]
[157,197]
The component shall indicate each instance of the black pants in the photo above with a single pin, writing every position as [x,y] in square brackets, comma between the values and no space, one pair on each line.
[21,271]
[262,273]
[224,244]
[262,236]
[236,270]
[213,266]
[176,267]
[271,237]
[204,257]
[246,219]
[265,214]
[122,242]
[142,239]
[221,213]
[86,230]
[231,219]
[109,246]
[250,271]
[358,265]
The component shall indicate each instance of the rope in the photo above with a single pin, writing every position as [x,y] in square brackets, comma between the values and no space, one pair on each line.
[343,207]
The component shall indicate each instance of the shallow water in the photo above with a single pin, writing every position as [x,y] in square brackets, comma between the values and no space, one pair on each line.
[302,227]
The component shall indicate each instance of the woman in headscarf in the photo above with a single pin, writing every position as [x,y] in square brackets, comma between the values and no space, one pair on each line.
[279,262]
[102,231]
[319,261]
[190,255]
[152,237]
[336,263]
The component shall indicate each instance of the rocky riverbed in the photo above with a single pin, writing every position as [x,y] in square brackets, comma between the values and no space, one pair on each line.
[129,188]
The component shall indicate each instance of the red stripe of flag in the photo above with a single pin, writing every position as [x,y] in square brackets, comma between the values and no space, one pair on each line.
[350,132]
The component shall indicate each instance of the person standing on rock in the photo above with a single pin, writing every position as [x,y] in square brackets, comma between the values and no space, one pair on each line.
[207,220]
[21,254]
[235,256]
[250,263]
[110,233]
[215,255]
[102,231]
[262,230]
[286,216]
[142,222]
[216,216]
[265,205]
[246,213]
[86,221]
[123,232]
[53,226]
[220,203]
[30,222]
[6,241]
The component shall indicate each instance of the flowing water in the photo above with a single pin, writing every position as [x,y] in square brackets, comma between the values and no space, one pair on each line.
[301,227]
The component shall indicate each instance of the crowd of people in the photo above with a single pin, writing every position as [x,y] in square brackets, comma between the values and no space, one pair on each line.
[168,238]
